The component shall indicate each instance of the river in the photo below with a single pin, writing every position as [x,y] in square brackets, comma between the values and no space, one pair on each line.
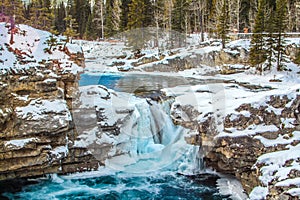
[165,169]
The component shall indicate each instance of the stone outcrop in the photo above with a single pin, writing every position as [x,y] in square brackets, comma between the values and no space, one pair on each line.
[37,133]
[239,154]
[201,56]
[237,150]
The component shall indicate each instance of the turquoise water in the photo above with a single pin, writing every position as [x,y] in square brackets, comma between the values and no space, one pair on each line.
[108,80]
[121,186]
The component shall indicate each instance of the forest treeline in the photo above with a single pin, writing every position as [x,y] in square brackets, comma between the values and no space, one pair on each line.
[103,18]
[268,20]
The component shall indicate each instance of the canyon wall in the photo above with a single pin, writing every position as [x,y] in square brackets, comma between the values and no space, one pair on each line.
[37,132]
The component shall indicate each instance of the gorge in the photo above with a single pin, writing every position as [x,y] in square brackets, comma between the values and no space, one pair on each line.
[147,133]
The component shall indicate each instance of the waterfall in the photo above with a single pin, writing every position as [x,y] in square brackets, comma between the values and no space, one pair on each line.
[155,143]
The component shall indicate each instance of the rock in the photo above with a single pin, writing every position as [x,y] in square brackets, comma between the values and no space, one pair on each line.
[37,130]
[238,155]
[212,58]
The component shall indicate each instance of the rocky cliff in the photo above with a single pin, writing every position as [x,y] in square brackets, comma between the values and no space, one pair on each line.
[36,127]
[37,88]
[258,145]
[241,155]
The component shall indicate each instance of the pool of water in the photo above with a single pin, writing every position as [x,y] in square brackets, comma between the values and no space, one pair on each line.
[139,83]
[120,186]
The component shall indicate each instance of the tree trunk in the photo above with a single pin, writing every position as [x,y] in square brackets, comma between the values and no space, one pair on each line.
[102,21]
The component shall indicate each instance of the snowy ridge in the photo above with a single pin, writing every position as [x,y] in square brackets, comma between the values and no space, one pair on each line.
[28,50]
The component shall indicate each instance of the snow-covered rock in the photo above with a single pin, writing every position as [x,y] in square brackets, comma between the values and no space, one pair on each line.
[36,91]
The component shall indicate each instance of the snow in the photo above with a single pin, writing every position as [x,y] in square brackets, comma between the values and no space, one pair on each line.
[30,43]
[249,131]
[275,162]
[60,151]
[50,80]
[289,182]
[223,98]
[280,140]
[20,143]
[38,109]
[244,43]
[89,137]
[212,95]
[294,192]
[258,193]
[216,94]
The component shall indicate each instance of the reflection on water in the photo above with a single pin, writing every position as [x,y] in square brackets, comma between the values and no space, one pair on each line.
[139,83]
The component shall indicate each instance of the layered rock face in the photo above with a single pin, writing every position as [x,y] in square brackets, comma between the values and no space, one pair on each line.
[36,127]
[258,142]
[259,145]
[201,55]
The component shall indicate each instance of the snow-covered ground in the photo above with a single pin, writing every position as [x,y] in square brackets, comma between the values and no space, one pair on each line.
[28,50]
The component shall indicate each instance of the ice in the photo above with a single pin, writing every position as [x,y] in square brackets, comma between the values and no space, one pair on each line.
[232,187]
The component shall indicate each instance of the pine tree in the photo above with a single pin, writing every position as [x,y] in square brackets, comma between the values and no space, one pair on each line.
[223,23]
[179,15]
[149,13]
[124,14]
[269,48]
[257,51]
[168,7]
[112,17]
[40,15]
[90,30]
[280,24]
[244,14]
[179,23]
[212,17]
[140,14]
[13,9]
[81,14]
[60,15]
[136,14]
[71,27]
